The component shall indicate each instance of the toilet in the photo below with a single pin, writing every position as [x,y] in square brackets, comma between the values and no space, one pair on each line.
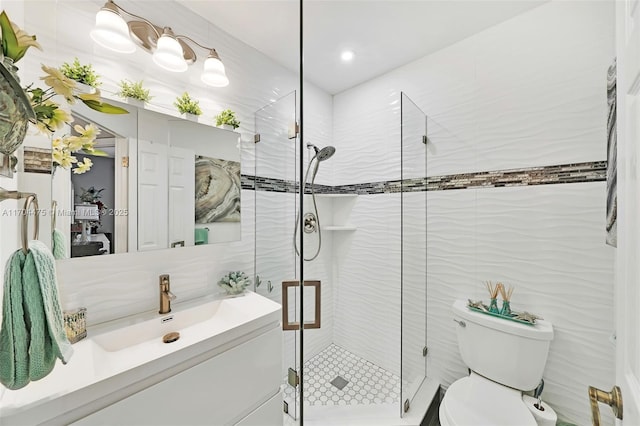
[505,358]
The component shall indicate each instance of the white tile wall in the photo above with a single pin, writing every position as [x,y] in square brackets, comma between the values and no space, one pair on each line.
[120,285]
[523,93]
[548,243]
[367,294]
[528,92]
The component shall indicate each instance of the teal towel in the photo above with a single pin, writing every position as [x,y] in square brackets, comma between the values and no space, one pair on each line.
[32,334]
[57,243]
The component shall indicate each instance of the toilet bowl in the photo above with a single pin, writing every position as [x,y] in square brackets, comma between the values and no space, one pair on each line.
[477,401]
[504,358]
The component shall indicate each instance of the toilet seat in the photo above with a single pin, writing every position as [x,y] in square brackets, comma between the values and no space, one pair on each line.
[477,401]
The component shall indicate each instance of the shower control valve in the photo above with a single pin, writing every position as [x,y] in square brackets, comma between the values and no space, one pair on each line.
[310,223]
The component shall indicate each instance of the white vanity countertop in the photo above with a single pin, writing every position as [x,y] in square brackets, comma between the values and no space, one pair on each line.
[122,357]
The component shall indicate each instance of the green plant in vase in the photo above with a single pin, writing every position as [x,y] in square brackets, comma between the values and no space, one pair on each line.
[227,117]
[16,111]
[234,282]
[93,196]
[50,117]
[186,105]
[83,74]
[134,90]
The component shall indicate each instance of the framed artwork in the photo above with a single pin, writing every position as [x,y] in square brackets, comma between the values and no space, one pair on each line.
[217,190]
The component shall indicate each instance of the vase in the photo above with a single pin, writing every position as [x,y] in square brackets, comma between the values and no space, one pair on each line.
[82,88]
[493,306]
[135,102]
[190,117]
[506,308]
[8,165]
[227,127]
[15,109]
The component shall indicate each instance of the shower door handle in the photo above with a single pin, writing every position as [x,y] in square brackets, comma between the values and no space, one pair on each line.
[286,325]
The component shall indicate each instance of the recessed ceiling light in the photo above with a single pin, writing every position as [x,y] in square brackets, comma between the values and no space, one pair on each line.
[347,55]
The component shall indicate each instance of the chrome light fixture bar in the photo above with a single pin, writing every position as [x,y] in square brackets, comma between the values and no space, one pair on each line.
[170,51]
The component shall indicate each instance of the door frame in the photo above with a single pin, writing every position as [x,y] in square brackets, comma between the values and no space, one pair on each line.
[627,266]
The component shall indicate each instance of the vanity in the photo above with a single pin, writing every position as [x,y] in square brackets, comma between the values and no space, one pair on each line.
[224,369]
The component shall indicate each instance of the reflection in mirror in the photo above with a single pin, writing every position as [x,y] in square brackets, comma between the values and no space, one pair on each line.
[95,207]
[215,157]
[163,182]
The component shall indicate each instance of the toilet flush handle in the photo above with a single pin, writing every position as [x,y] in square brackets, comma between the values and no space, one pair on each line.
[460,323]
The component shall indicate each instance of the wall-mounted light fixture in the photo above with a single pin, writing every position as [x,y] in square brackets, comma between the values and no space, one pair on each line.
[170,51]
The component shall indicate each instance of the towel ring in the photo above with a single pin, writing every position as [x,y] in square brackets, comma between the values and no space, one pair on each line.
[31,200]
[54,214]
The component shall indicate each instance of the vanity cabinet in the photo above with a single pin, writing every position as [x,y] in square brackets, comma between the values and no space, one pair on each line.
[240,386]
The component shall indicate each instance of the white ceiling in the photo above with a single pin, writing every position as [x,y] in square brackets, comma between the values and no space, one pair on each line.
[384,34]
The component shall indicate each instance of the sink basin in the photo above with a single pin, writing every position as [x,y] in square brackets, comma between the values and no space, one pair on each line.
[125,356]
[156,327]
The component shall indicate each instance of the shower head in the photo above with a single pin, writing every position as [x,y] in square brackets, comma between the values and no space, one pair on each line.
[325,153]
[321,154]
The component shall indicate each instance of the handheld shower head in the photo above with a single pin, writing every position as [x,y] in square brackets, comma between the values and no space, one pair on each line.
[322,154]
[325,153]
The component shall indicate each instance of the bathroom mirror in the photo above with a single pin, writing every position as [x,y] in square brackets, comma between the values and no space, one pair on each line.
[164,182]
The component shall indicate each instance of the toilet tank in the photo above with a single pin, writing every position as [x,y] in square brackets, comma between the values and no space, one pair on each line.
[504,351]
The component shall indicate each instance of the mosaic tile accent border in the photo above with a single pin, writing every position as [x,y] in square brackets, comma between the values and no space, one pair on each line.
[594,171]
[37,160]
[259,183]
[567,173]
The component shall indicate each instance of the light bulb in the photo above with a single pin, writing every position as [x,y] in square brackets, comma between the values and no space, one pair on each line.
[169,54]
[214,73]
[111,31]
[347,56]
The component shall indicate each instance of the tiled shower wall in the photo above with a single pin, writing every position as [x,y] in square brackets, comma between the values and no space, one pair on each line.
[528,92]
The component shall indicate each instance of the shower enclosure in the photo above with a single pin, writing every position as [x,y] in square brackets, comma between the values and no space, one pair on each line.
[364,352]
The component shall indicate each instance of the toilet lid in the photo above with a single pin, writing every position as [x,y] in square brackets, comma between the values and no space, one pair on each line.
[476,401]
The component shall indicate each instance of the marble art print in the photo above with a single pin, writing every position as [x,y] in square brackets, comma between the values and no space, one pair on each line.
[217,191]
[612,197]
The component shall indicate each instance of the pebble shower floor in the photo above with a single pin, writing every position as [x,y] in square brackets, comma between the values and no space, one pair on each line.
[367,383]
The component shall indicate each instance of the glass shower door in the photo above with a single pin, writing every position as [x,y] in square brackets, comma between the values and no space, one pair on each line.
[275,209]
[414,248]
